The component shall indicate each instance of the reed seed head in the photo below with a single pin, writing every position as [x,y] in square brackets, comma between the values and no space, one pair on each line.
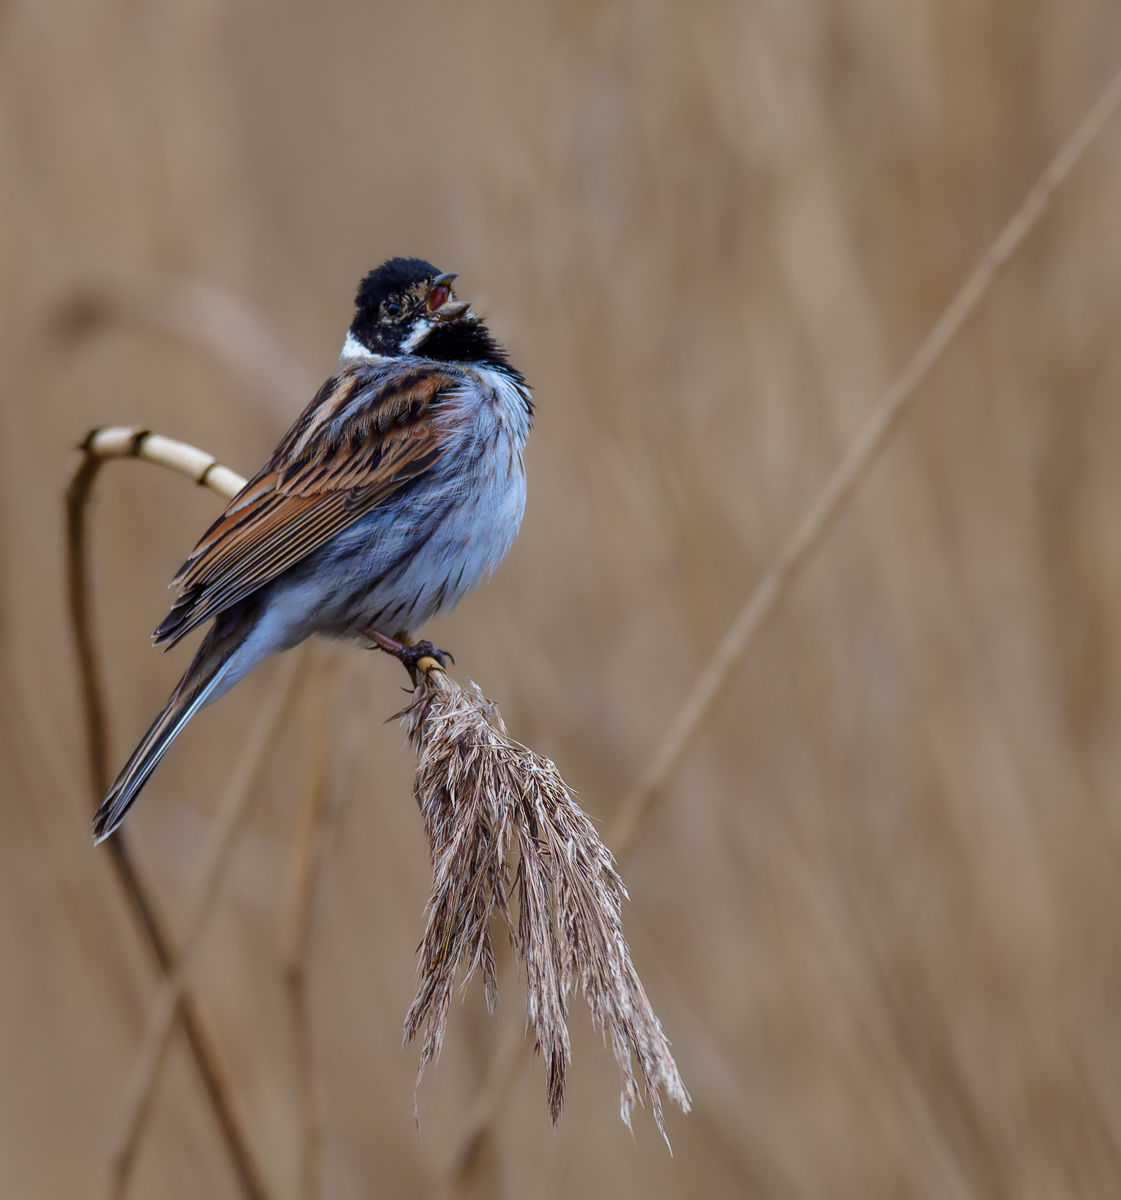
[487,800]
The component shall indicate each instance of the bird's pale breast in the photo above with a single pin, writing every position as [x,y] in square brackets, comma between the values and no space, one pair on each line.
[434,541]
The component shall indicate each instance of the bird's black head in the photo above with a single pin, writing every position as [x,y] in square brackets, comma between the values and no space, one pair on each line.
[407,306]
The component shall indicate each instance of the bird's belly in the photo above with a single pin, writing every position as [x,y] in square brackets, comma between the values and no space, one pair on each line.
[419,553]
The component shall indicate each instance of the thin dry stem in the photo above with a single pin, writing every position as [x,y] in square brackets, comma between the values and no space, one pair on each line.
[483,796]
[861,457]
[202,1047]
[771,591]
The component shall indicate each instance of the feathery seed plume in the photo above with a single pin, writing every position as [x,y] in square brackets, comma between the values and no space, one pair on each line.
[482,795]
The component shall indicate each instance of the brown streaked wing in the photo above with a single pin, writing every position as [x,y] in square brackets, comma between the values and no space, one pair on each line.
[320,480]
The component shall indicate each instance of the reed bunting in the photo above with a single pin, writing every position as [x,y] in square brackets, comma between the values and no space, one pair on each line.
[398,489]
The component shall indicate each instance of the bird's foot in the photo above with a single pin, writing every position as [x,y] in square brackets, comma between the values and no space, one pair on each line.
[410,656]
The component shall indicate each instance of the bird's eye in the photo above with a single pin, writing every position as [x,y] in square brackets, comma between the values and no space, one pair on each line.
[392,308]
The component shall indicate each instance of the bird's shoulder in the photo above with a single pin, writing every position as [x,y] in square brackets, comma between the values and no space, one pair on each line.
[370,429]
[366,413]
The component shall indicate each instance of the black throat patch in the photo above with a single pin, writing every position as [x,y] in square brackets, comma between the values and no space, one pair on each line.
[468,342]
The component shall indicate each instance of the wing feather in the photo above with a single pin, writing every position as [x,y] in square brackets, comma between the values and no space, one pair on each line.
[364,436]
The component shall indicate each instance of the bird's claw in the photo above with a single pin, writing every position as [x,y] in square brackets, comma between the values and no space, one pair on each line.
[408,656]
[411,655]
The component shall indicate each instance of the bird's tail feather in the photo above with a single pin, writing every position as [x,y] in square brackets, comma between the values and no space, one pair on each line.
[211,663]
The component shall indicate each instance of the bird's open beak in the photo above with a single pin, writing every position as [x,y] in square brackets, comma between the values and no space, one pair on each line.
[439,300]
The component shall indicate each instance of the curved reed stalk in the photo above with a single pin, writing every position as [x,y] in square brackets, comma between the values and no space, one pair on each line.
[98,447]
[217,322]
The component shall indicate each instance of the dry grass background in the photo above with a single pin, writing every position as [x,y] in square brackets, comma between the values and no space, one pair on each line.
[879,911]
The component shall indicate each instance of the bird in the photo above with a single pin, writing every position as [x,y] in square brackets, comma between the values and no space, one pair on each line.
[399,489]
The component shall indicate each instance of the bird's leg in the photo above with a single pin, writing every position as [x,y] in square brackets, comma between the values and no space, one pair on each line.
[384,642]
[406,651]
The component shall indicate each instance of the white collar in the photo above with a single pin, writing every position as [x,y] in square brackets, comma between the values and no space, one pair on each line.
[353,348]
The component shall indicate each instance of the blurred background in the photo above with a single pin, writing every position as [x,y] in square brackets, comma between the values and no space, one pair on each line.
[879,909]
